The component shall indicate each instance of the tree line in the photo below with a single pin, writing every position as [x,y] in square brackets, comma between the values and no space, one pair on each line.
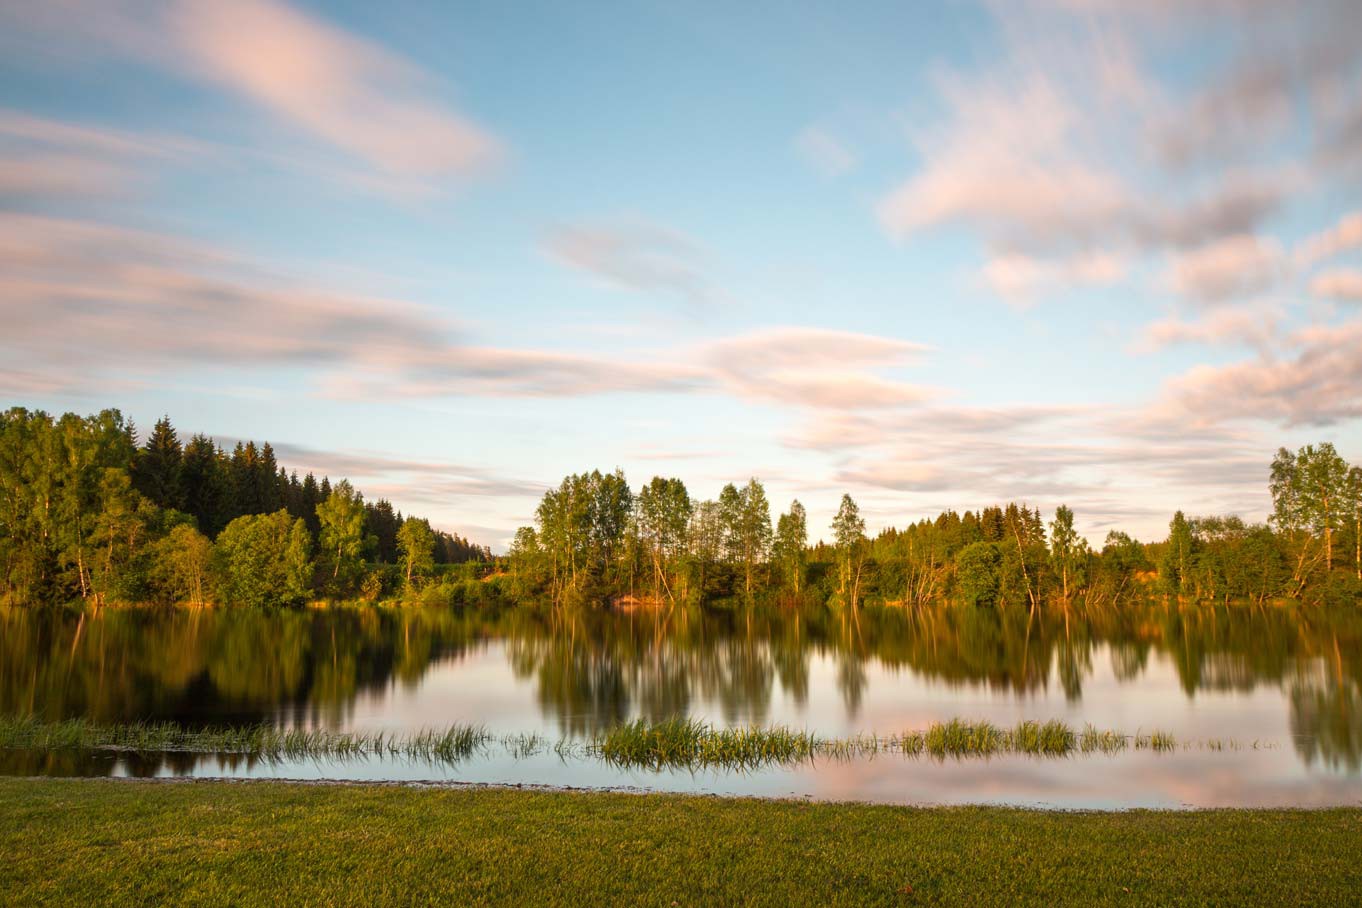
[86,511]
[595,539]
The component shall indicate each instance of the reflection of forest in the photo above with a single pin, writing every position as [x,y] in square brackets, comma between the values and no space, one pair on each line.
[593,669]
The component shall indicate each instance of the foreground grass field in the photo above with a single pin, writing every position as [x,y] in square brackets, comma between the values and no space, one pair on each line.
[97,842]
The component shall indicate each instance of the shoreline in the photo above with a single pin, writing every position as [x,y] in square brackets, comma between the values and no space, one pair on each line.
[637,791]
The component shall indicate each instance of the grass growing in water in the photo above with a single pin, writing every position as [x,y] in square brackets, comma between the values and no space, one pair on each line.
[690,742]
[959,738]
[450,745]
[671,743]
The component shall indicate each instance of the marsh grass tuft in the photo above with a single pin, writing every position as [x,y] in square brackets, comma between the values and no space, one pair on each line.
[670,743]
[683,742]
[455,743]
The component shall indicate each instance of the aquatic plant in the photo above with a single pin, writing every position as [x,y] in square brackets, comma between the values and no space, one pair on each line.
[691,742]
[455,743]
[670,743]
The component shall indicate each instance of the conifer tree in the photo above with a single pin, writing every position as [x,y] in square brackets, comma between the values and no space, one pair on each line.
[157,469]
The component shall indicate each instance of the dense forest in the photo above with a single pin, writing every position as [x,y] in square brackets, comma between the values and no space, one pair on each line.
[86,512]
[89,513]
[597,540]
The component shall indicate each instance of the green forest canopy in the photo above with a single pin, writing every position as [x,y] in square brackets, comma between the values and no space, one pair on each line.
[594,538]
[89,513]
[85,511]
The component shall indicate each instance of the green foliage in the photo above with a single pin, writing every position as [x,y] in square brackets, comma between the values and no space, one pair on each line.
[181,563]
[263,559]
[663,515]
[342,539]
[978,571]
[416,548]
[1311,501]
[753,530]
[790,549]
[848,533]
[1176,564]
[1068,552]
[582,527]
[86,513]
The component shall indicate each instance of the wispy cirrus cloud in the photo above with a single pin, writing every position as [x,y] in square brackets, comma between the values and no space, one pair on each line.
[1091,458]
[82,300]
[635,256]
[47,159]
[76,292]
[434,476]
[341,88]
[348,93]
[818,368]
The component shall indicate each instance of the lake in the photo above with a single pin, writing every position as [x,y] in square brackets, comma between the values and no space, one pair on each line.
[1265,703]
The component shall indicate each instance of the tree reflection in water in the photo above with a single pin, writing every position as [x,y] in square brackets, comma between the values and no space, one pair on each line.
[591,670]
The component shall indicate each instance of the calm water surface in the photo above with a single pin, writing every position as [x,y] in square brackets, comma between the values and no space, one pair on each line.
[1280,690]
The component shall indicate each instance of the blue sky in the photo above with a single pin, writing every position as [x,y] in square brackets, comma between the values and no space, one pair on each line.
[933,255]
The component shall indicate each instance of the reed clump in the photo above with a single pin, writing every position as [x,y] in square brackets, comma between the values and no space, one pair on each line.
[670,743]
[684,742]
[455,743]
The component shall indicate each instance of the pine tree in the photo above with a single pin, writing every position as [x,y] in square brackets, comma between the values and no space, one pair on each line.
[156,471]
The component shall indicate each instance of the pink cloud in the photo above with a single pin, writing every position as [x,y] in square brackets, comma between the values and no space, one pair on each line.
[1258,327]
[91,299]
[1339,284]
[1231,267]
[45,159]
[635,256]
[350,93]
[1343,236]
[1320,384]
[1003,160]
[341,88]
[1020,278]
[819,368]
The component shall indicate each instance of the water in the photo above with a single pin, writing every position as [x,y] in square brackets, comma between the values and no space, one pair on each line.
[1266,704]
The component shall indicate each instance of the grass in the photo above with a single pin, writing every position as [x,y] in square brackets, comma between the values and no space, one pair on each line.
[458,742]
[690,742]
[102,843]
[641,744]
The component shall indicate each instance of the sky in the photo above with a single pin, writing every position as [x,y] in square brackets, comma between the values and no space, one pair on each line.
[934,255]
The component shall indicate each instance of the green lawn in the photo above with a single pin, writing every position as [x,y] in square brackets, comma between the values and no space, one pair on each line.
[99,842]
